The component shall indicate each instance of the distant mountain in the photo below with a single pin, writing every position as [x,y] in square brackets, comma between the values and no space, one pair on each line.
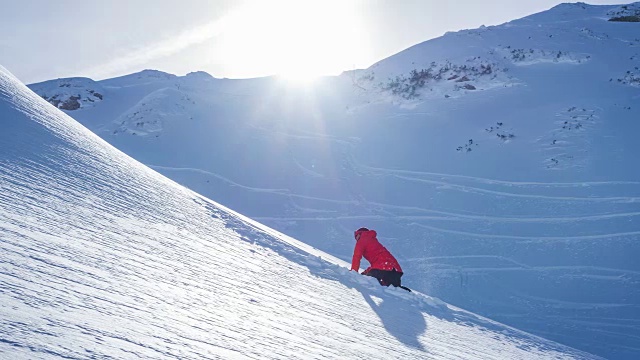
[70,94]
[498,164]
[141,77]
[625,13]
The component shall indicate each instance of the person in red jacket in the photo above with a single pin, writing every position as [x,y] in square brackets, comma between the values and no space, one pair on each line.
[384,266]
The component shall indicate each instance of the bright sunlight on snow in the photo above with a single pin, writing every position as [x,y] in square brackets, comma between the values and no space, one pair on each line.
[103,258]
[293,38]
[497,164]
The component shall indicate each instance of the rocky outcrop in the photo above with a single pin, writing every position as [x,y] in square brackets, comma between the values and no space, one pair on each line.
[71,93]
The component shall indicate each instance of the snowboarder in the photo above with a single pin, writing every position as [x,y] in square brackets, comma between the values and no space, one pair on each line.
[384,266]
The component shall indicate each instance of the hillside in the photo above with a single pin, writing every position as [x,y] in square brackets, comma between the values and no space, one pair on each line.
[498,164]
[104,258]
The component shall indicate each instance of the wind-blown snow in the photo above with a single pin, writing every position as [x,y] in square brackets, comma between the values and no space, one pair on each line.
[498,164]
[104,258]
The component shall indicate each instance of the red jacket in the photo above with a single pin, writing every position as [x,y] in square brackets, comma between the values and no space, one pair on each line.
[376,254]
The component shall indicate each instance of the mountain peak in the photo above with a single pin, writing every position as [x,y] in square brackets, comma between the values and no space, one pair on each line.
[199,74]
[151,73]
[139,78]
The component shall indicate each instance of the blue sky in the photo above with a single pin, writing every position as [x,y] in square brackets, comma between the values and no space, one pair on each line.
[236,39]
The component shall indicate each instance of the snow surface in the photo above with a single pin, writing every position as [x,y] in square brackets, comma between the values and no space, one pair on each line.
[498,164]
[103,258]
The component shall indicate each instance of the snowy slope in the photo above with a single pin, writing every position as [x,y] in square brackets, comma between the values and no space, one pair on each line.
[71,94]
[498,164]
[104,258]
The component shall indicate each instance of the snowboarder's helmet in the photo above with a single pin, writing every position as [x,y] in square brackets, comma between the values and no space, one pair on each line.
[359,232]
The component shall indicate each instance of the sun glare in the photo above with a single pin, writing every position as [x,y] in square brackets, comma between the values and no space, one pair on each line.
[297,40]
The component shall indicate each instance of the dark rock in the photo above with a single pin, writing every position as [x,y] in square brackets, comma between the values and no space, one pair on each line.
[71,104]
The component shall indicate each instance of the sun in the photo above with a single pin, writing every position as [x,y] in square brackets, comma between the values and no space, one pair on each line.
[300,77]
[297,40]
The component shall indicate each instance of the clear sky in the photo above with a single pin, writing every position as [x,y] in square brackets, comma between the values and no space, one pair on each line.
[42,40]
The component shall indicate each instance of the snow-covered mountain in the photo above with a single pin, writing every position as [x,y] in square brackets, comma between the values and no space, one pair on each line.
[104,258]
[498,164]
[70,94]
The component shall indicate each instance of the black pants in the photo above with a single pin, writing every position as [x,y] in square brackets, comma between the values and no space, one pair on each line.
[386,277]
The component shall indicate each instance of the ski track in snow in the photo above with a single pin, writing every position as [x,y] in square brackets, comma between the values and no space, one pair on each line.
[452,216]
[481,180]
[531,238]
[233,183]
[468,188]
